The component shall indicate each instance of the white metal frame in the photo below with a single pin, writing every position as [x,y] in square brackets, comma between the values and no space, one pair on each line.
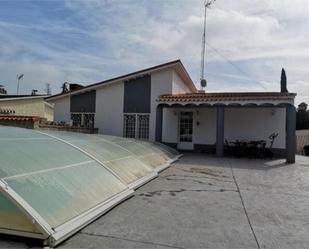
[142,128]
[54,236]
[151,176]
[71,227]
[125,126]
[83,116]
[141,181]
[179,124]
[182,145]
[164,166]
[168,163]
[137,125]
[86,153]
[28,211]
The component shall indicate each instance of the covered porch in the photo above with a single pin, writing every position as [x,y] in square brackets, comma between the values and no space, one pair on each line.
[211,121]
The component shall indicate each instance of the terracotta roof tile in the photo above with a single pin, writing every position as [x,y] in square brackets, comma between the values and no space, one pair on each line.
[225,96]
[19,118]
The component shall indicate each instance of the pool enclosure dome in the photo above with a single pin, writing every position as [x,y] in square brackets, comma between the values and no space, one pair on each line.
[53,183]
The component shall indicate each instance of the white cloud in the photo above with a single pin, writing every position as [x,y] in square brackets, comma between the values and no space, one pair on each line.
[258,36]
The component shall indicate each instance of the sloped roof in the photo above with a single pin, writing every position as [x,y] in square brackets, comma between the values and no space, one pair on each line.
[177,64]
[20,97]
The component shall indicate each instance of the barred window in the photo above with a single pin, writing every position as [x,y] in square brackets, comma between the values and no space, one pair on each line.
[89,120]
[80,119]
[136,126]
[143,126]
[129,125]
[76,119]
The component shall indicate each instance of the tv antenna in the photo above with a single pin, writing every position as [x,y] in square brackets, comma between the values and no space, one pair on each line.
[203,82]
[48,89]
[19,77]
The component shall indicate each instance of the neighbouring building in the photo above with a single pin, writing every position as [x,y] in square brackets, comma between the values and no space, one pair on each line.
[27,105]
[162,104]
[2,90]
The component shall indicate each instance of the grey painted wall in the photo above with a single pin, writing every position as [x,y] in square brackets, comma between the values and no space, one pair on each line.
[137,94]
[84,102]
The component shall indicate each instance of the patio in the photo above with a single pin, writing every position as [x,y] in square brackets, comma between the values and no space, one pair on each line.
[207,202]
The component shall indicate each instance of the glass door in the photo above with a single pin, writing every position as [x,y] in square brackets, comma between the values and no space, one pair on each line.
[185,131]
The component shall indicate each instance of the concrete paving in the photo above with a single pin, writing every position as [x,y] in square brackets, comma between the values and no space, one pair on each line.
[206,202]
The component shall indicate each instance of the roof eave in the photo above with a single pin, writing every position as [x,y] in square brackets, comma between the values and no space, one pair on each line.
[188,80]
[23,98]
[127,77]
[229,97]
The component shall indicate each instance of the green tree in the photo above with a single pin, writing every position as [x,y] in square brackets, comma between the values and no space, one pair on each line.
[302,117]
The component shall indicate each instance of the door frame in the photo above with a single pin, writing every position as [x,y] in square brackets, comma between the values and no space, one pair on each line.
[185,145]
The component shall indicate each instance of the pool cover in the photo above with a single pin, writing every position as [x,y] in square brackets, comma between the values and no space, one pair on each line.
[53,183]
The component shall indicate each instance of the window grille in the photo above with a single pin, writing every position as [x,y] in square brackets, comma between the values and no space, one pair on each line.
[80,119]
[143,126]
[89,120]
[136,126]
[76,119]
[129,125]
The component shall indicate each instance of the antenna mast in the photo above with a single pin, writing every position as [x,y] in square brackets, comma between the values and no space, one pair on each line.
[203,82]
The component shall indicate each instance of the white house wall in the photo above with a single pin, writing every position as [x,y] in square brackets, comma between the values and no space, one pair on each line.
[178,85]
[161,83]
[109,102]
[240,123]
[170,125]
[49,111]
[255,124]
[109,109]
[205,132]
[62,110]
[204,125]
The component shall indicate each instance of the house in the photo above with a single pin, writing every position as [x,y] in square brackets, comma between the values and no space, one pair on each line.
[26,105]
[162,104]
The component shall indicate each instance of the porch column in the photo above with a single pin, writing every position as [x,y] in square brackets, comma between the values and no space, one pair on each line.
[290,134]
[159,119]
[220,132]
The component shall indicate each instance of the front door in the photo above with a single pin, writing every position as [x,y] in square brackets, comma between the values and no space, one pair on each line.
[185,131]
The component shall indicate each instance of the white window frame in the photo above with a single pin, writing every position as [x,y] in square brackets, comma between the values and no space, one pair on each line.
[179,128]
[137,124]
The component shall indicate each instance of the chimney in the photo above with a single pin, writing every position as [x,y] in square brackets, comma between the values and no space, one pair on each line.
[74,86]
[283,82]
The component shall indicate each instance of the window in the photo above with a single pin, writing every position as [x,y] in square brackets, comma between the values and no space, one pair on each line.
[136,126]
[76,119]
[80,119]
[143,125]
[129,125]
[89,120]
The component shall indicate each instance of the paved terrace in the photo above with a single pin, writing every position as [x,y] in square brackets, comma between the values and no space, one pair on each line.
[206,202]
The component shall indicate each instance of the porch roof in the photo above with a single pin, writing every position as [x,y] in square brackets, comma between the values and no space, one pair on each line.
[229,98]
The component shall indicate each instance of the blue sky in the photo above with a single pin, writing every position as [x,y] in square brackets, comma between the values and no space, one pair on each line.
[249,41]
